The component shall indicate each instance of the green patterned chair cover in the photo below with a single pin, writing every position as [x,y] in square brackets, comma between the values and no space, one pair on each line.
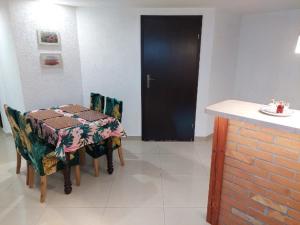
[114,108]
[97,102]
[12,116]
[36,151]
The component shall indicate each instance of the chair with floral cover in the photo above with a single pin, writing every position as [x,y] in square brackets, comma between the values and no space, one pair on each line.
[12,116]
[41,156]
[113,108]
[97,102]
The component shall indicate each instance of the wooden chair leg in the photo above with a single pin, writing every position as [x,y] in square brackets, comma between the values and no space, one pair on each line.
[18,163]
[96,167]
[31,176]
[77,175]
[121,156]
[82,159]
[27,174]
[43,188]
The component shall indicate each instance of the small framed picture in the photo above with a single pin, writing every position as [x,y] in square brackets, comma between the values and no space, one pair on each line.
[48,37]
[51,60]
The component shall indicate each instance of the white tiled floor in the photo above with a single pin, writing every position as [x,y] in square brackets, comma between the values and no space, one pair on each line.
[162,183]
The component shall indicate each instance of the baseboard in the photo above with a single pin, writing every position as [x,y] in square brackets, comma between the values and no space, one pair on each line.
[203,138]
[133,138]
[196,139]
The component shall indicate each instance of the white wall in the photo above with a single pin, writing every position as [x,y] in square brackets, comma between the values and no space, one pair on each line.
[46,87]
[267,66]
[109,40]
[224,58]
[10,84]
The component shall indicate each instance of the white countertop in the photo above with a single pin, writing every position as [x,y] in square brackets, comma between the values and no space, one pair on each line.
[249,112]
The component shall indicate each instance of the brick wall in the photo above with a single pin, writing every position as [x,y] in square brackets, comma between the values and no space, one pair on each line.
[261,181]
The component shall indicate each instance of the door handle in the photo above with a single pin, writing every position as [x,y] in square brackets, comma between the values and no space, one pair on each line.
[149,79]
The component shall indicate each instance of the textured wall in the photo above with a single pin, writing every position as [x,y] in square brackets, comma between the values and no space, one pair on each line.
[261,183]
[109,40]
[46,87]
[267,65]
[10,83]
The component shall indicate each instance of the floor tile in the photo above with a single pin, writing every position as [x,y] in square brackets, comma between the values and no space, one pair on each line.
[185,191]
[133,216]
[71,216]
[136,164]
[185,216]
[136,191]
[14,216]
[182,165]
[93,192]
[148,147]
[161,183]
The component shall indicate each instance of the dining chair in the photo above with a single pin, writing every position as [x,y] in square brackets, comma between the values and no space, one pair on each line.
[97,102]
[21,151]
[42,157]
[111,107]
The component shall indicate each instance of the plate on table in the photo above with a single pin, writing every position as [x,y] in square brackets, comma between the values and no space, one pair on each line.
[271,111]
[73,108]
[45,114]
[62,122]
[92,115]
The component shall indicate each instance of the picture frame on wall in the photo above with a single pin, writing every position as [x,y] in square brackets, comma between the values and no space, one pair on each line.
[48,38]
[51,60]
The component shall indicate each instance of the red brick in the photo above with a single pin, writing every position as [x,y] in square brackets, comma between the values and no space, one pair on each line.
[235,187]
[236,123]
[276,132]
[236,172]
[240,156]
[251,187]
[242,140]
[246,217]
[288,163]
[233,129]
[269,203]
[282,218]
[295,214]
[291,154]
[276,215]
[283,200]
[251,126]
[230,146]
[295,195]
[285,182]
[264,218]
[271,186]
[274,168]
[241,202]
[298,177]
[289,221]
[289,143]
[230,219]
[250,169]
[257,135]
[257,154]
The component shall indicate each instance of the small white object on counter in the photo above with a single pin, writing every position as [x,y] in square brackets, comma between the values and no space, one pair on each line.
[249,112]
[272,111]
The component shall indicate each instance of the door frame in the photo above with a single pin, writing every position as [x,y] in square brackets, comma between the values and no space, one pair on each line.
[142,67]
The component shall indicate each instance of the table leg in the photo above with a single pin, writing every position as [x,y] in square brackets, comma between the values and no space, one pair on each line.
[109,156]
[67,175]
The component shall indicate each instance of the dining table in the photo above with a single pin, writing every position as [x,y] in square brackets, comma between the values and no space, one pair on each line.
[69,128]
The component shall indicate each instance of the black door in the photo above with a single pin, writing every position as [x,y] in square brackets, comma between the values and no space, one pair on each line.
[170,65]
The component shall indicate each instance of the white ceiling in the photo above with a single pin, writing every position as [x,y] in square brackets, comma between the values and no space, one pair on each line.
[240,6]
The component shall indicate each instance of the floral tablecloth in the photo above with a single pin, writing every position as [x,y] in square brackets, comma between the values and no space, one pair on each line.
[73,138]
